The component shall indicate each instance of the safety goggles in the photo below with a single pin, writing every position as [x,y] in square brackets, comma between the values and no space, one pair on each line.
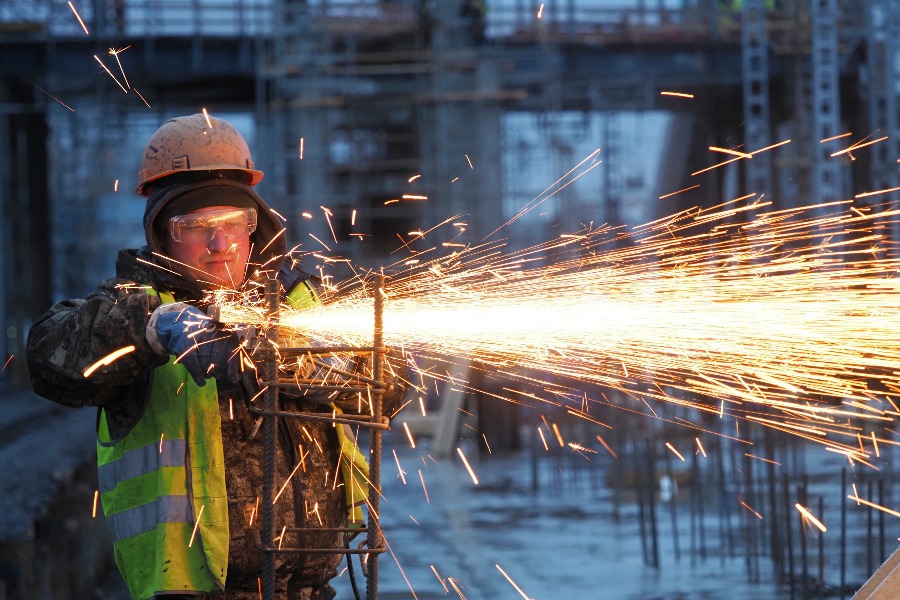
[202,228]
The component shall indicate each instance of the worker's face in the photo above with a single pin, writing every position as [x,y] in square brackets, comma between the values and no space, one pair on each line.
[214,242]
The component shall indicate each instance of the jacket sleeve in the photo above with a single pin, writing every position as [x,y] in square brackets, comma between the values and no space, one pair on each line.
[74,334]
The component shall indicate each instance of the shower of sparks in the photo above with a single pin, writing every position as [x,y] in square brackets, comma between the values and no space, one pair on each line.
[513,583]
[110,73]
[810,517]
[80,22]
[786,318]
[468,466]
[108,359]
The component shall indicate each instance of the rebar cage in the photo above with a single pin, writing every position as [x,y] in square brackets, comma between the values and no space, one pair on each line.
[270,358]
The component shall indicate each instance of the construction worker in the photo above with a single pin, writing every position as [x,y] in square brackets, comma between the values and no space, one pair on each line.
[179,458]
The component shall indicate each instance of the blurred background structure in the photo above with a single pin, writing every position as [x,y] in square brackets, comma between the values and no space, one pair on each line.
[373,119]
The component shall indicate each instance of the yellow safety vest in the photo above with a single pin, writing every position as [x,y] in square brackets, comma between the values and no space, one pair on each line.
[161,478]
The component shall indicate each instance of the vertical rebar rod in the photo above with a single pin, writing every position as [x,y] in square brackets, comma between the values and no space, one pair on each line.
[843,531]
[270,402]
[374,529]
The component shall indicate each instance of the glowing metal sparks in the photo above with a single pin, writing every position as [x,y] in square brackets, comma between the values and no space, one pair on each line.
[196,525]
[676,94]
[509,579]
[110,73]
[208,121]
[108,359]
[783,318]
[80,22]
[468,466]
[810,517]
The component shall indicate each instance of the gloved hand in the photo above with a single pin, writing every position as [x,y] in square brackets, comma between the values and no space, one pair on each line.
[204,348]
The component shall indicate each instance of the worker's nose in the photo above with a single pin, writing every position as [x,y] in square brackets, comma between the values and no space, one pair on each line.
[219,242]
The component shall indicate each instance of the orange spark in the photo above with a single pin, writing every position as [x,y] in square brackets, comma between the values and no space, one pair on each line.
[693,187]
[812,519]
[771,462]
[748,507]
[858,146]
[94,510]
[206,116]
[413,178]
[677,94]
[400,470]
[48,93]
[412,442]
[468,467]
[353,218]
[605,445]
[440,579]
[115,53]
[196,525]
[414,197]
[835,137]
[508,578]
[110,73]
[543,439]
[141,97]
[77,16]
[540,14]
[392,201]
[700,447]
[469,160]
[106,360]
[875,506]
[732,152]
[301,148]
[674,451]
[425,489]
[6,364]
[864,194]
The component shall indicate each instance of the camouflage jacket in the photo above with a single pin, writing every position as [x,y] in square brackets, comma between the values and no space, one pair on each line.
[75,333]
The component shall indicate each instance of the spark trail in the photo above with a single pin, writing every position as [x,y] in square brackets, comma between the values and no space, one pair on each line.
[786,318]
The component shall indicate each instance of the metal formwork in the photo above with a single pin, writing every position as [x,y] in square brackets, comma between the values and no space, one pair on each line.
[271,412]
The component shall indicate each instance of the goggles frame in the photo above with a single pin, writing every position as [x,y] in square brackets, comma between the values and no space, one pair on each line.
[208,223]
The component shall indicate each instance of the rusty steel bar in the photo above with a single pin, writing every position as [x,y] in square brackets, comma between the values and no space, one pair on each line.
[269,370]
[323,418]
[374,529]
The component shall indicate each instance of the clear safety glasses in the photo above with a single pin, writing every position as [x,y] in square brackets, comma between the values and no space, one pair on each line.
[202,228]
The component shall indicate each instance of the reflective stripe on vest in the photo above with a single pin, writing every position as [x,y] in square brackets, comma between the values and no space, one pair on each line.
[159,479]
[143,518]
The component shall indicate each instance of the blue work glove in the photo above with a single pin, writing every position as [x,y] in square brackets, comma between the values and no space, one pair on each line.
[197,341]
